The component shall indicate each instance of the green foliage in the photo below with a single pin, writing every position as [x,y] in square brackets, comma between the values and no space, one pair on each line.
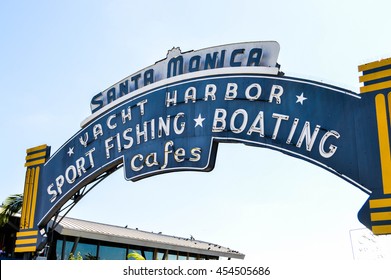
[135,256]
[77,258]
[11,206]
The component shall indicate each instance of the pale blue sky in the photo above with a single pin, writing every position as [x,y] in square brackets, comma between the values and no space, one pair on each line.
[56,55]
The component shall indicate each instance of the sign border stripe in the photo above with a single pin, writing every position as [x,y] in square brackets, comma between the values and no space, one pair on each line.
[375,64]
[379,203]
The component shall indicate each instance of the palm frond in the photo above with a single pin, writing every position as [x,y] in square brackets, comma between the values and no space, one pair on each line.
[135,256]
[11,205]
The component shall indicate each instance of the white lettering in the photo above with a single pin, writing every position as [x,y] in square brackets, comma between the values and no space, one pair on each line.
[152,122]
[279,118]
[276,93]
[152,156]
[51,192]
[210,91]
[195,152]
[166,152]
[80,166]
[90,157]
[171,100]
[84,141]
[97,130]
[179,154]
[258,92]
[164,126]
[108,146]
[182,127]
[231,91]
[190,94]
[258,125]
[141,105]
[71,174]
[128,138]
[126,115]
[132,164]
[109,124]
[140,133]
[119,148]
[71,170]
[306,134]
[293,129]
[332,148]
[219,117]
[244,121]
[59,183]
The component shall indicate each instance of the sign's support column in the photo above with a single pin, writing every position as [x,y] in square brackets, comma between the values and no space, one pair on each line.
[26,241]
[377,78]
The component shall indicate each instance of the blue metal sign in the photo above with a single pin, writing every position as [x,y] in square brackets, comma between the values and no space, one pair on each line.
[255,54]
[177,123]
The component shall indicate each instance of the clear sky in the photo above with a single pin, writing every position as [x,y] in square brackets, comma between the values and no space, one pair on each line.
[55,56]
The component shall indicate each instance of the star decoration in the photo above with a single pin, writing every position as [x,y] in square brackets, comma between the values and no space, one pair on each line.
[70,151]
[199,121]
[300,98]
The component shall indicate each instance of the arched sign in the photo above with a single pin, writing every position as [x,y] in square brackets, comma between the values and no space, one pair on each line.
[171,116]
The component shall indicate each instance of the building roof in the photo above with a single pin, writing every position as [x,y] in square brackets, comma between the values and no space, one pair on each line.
[104,232]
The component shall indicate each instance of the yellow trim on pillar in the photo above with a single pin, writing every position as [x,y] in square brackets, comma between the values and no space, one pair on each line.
[377,86]
[34,197]
[381,229]
[375,76]
[25,193]
[375,64]
[380,203]
[35,149]
[389,105]
[384,142]
[25,249]
[29,196]
[27,233]
[26,241]
[35,162]
[380,216]
[36,155]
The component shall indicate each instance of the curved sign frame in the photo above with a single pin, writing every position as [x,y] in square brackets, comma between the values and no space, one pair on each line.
[175,124]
